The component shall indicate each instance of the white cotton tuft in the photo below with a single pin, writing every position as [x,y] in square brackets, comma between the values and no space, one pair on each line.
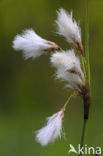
[68,27]
[31,44]
[68,68]
[52,130]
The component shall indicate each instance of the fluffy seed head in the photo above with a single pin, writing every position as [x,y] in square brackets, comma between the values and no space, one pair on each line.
[68,27]
[68,68]
[32,44]
[52,130]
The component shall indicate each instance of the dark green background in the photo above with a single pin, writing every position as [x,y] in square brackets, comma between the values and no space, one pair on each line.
[28,91]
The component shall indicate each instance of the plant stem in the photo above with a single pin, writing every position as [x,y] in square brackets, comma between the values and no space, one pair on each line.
[87,66]
[83,62]
[87,44]
[83,134]
[69,98]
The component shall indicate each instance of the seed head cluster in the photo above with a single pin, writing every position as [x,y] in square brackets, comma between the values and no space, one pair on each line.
[66,63]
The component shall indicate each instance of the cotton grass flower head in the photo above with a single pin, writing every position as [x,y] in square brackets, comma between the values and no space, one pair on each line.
[68,68]
[52,130]
[32,44]
[68,27]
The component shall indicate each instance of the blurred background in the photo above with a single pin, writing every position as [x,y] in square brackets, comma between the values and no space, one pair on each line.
[28,91]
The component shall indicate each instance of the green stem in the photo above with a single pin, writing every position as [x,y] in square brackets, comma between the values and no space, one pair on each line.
[87,44]
[87,66]
[83,134]
[83,64]
[61,49]
[69,98]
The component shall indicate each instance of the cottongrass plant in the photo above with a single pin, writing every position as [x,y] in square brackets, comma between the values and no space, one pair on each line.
[52,130]
[69,28]
[70,67]
[32,44]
